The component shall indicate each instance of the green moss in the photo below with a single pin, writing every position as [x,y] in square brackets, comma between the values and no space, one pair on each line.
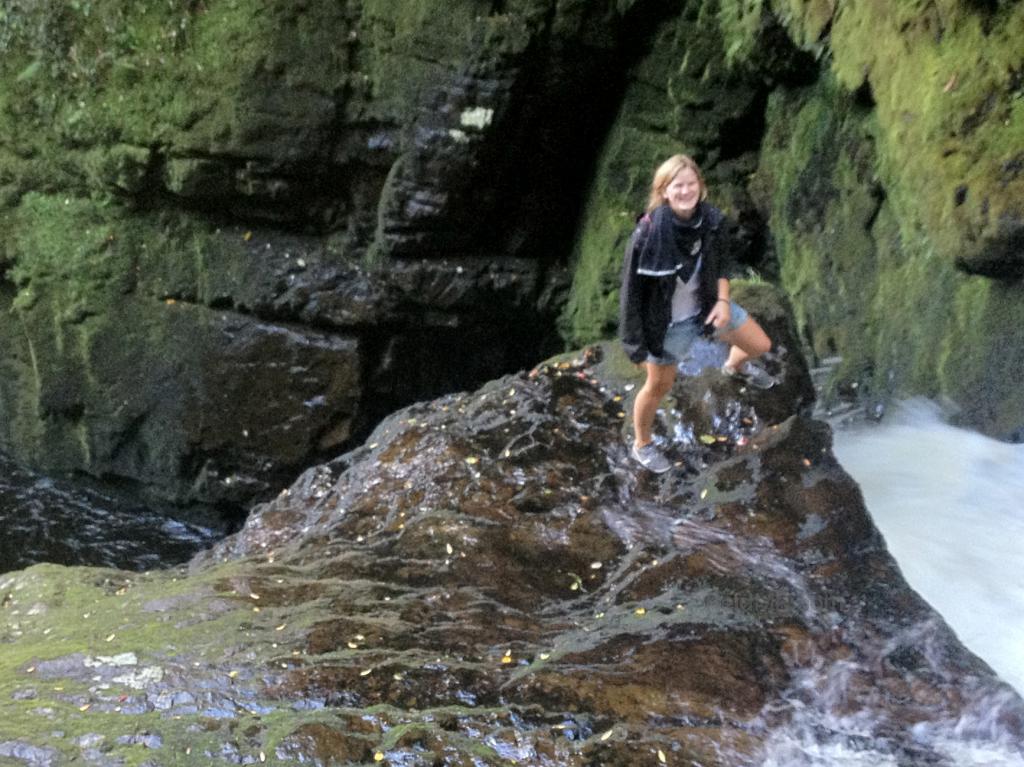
[68,247]
[815,175]
[949,115]
[865,282]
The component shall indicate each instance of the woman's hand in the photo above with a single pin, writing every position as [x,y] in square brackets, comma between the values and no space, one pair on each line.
[719,315]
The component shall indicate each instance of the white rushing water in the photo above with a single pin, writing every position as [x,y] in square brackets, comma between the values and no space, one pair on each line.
[950,504]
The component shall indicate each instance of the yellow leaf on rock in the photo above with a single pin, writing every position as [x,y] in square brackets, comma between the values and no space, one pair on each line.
[707,439]
[378,757]
[472,460]
[640,611]
[607,735]
[661,757]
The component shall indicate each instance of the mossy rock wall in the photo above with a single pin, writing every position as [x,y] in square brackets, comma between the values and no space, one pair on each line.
[235,233]
[894,196]
[399,189]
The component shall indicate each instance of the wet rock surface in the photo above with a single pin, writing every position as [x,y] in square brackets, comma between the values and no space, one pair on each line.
[489,580]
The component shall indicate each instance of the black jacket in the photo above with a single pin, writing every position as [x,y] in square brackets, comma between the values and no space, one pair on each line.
[645,300]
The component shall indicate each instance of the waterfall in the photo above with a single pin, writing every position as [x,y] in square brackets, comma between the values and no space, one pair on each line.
[950,504]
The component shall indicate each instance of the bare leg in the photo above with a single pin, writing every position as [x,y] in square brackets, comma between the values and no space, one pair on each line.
[645,407]
[747,342]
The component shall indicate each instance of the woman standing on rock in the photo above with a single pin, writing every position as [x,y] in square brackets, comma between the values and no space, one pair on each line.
[674,289]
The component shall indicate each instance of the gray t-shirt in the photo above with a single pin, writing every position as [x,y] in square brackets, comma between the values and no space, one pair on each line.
[684,298]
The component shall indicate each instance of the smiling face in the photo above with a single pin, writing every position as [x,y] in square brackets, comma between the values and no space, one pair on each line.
[683,192]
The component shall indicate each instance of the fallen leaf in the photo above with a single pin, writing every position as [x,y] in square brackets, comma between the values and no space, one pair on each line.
[247,236]
[367,672]
[661,757]
[596,565]
[950,84]
[85,707]
[544,655]
[378,757]
[703,493]
[472,460]
[640,611]
[607,735]
[707,439]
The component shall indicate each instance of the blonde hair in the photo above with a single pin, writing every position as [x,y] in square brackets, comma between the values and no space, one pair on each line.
[666,172]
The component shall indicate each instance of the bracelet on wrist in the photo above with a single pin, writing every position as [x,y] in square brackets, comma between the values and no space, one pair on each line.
[723,300]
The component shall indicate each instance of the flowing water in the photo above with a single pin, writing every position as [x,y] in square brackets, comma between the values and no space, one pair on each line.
[52,520]
[950,504]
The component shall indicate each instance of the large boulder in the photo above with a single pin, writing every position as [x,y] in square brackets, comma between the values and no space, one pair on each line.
[490,580]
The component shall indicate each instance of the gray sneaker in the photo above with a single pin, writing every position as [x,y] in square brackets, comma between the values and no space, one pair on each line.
[752,375]
[650,458]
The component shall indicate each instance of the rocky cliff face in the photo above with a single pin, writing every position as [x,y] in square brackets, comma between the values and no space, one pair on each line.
[236,233]
[489,581]
[361,204]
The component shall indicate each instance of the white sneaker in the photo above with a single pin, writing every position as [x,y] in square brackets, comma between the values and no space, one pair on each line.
[650,458]
[751,375]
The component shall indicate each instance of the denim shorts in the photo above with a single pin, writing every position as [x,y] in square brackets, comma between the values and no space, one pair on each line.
[681,335]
